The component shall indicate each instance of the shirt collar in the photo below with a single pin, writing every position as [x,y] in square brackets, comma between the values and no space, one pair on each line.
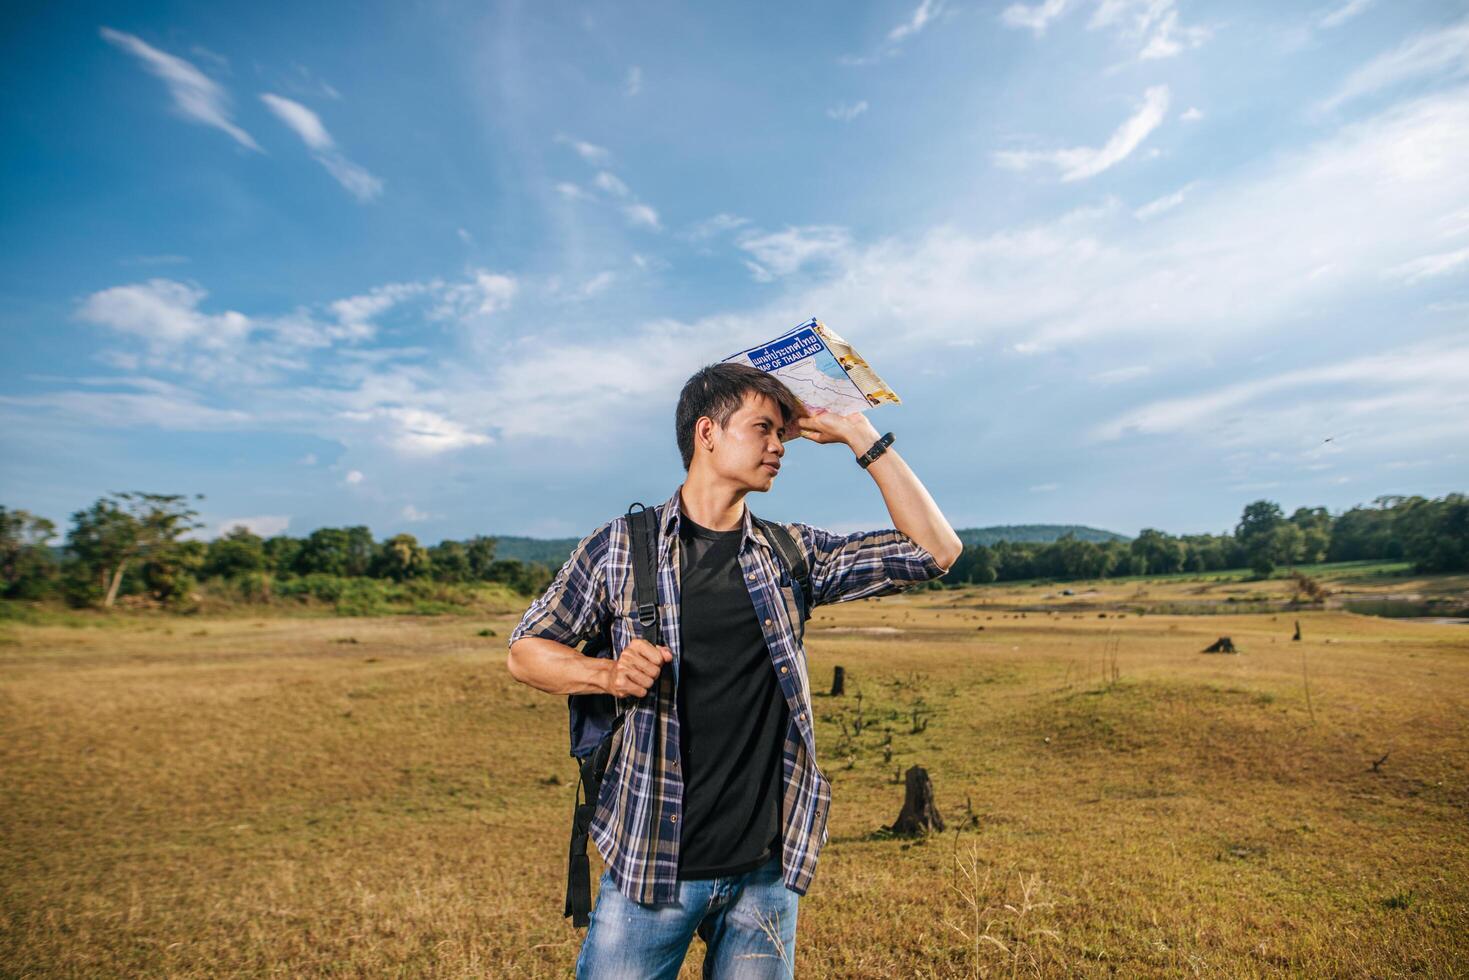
[670,513]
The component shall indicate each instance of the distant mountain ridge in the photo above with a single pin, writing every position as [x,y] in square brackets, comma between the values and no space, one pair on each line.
[1035,534]
[555,551]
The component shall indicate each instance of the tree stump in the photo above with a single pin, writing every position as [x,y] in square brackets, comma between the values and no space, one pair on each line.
[919,814]
[1298,630]
[838,680]
[1222,645]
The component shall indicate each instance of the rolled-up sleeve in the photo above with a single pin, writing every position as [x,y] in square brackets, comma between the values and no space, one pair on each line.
[865,563]
[574,606]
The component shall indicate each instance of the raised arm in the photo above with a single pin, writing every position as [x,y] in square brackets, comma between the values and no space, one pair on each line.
[908,501]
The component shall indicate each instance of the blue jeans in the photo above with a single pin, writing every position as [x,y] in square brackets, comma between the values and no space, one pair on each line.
[628,941]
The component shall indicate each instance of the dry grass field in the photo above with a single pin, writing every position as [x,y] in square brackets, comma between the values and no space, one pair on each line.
[377,797]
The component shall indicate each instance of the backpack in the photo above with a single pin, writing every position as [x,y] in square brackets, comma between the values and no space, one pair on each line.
[596,718]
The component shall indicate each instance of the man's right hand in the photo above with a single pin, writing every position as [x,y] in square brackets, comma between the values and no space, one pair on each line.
[636,668]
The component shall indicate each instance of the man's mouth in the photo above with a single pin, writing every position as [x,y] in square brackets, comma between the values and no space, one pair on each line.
[773,467]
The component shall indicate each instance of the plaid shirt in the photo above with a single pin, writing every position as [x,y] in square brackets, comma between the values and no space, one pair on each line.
[636,822]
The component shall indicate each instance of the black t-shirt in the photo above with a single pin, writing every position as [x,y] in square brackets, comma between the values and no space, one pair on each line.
[732,715]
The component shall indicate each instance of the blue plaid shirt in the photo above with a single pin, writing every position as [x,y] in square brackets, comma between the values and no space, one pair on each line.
[636,822]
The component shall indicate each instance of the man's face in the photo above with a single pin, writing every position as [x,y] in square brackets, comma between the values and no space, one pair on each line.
[748,451]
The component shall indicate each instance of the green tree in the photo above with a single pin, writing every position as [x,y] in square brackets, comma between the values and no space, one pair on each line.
[1434,533]
[27,567]
[280,553]
[402,558]
[1162,553]
[1315,524]
[1285,543]
[1257,521]
[170,574]
[122,529]
[450,562]
[325,551]
[481,553]
[361,551]
[235,553]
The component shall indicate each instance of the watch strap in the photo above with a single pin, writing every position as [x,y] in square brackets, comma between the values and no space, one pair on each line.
[878,448]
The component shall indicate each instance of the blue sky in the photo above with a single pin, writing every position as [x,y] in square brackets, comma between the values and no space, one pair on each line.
[443,268]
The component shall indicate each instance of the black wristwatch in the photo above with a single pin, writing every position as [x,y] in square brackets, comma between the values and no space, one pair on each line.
[878,448]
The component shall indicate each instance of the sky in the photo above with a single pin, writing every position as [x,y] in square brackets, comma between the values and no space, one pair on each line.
[443,268]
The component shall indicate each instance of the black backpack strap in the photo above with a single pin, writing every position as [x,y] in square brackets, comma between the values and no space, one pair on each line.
[643,540]
[786,545]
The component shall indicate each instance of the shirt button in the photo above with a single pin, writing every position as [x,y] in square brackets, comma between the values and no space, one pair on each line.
[785,670]
[752,575]
[673,819]
[803,716]
[767,622]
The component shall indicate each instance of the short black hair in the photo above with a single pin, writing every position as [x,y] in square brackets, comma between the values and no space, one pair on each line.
[718,391]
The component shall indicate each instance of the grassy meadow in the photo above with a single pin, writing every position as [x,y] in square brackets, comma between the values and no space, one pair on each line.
[314,795]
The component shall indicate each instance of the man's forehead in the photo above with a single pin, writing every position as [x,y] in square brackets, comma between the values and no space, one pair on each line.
[757,405]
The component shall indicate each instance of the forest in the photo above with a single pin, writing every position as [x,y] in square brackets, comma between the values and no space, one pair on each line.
[141,548]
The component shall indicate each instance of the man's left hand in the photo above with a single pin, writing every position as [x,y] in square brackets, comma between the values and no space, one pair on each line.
[854,430]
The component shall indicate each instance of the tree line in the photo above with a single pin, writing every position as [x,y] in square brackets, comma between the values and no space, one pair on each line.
[135,544]
[1432,534]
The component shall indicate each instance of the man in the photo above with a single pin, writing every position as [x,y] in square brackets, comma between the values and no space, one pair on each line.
[713,809]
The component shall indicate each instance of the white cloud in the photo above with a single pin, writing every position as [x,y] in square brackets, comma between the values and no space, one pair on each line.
[642,215]
[1037,17]
[413,515]
[783,252]
[1081,162]
[1045,488]
[590,152]
[307,125]
[265,525]
[1432,266]
[165,316]
[597,284]
[465,236]
[1121,375]
[1191,114]
[570,191]
[354,477]
[1441,52]
[157,406]
[611,184]
[483,294]
[1242,258]
[1339,15]
[1426,381]
[164,313]
[922,14]
[846,112]
[633,84]
[195,95]
[1152,26]
[355,313]
[1167,202]
[1238,264]
[1152,23]
[717,225]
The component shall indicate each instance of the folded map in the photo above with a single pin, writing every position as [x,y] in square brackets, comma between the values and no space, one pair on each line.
[821,369]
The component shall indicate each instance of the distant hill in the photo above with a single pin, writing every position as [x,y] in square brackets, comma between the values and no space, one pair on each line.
[1035,533]
[554,551]
[547,551]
